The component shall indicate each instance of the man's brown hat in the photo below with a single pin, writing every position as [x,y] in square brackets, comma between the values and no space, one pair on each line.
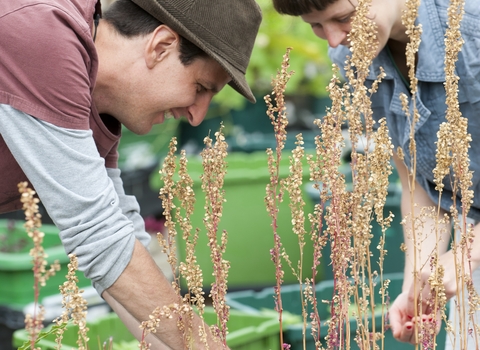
[224,29]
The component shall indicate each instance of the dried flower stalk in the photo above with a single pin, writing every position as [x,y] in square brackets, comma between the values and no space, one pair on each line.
[215,168]
[350,214]
[453,160]
[189,270]
[414,33]
[33,223]
[74,307]
[214,165]
[277,112]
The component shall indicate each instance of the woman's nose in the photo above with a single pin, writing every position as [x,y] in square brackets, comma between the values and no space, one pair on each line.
[334,35]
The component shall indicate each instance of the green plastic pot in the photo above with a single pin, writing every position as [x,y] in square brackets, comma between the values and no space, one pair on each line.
[246,332]
[16,289]
[247,222]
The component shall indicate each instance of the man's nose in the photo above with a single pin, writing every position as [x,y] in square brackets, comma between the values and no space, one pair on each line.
[199,109]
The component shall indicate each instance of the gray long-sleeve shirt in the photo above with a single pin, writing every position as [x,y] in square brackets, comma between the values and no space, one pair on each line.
[97,221]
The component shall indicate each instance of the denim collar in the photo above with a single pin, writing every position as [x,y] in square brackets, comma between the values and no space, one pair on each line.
[430,65]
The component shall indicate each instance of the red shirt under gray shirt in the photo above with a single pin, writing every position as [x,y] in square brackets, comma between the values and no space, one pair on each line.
[52,136]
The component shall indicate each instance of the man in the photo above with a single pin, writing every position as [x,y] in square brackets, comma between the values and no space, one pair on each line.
[69,80]
[331,20]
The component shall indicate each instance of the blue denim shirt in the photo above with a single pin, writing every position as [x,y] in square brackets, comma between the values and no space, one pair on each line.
[431,94]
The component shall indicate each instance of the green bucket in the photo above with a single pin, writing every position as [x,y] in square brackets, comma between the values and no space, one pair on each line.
[16,289]
[247,222]
[246,332]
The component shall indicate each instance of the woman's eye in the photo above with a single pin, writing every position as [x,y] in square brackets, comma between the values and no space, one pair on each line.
[346,19]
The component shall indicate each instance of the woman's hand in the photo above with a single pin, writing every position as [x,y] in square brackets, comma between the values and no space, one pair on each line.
[405,326]
[405,319]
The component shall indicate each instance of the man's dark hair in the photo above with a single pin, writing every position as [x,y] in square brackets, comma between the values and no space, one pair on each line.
[300,7]
[130,20]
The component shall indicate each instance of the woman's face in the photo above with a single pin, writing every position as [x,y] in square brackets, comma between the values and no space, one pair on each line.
[334,23]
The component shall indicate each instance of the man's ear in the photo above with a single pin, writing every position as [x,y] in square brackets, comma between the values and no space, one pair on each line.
[162,41]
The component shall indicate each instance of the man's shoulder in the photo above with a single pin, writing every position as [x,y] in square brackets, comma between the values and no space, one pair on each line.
[72,8]
[54,80]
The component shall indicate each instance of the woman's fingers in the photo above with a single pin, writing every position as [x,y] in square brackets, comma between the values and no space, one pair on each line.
[397,316]
[418,296]
[411,331]
[406,332]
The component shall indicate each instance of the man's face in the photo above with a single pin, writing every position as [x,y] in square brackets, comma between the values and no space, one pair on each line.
[172,90]
[334,23]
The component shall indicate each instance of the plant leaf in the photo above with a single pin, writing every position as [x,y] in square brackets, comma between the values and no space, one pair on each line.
[53,330]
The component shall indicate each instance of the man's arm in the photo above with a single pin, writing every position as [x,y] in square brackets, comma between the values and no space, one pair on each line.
[64,167]
[141,288]
[133,324]
[69,176]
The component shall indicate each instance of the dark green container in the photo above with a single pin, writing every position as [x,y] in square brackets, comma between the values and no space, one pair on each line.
[263,302]
[394,258]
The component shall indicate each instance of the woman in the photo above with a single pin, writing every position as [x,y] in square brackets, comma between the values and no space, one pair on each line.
[331,20]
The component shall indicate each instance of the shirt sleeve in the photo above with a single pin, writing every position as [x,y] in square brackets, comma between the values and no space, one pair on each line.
[130,207]
[97,221]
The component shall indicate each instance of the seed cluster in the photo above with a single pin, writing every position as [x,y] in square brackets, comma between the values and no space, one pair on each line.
[453,162]
[74,307]
[277,113]
[33,223]
[178,200]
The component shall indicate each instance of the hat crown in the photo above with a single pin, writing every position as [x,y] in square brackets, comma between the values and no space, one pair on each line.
[229,27]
